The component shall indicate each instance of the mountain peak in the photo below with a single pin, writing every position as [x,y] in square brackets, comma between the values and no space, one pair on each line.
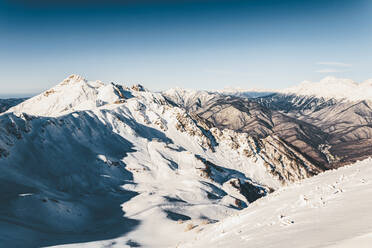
[74,93]
[73,78]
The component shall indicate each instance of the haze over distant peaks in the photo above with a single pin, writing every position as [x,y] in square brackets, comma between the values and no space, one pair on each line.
[328,87]
[332,87]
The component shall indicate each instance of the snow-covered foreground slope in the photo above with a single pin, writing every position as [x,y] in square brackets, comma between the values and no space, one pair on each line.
[332,209]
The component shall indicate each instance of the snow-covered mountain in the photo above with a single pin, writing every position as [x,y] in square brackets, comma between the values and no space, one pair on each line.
[328,88]
[336,88]
[97,164]
[72,94]
[77,152]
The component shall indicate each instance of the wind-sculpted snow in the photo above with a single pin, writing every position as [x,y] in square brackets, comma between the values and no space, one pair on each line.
[328,210]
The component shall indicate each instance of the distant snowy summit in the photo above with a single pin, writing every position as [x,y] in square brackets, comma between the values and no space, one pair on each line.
[332,87]
[328,87]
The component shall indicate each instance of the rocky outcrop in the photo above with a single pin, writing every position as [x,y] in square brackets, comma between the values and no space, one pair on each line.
[284,162]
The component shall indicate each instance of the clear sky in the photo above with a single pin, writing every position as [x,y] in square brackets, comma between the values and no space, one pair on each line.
[201,44]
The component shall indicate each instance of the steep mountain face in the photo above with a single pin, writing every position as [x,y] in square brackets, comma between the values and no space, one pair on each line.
[95,161]
[346,125]
[327,127]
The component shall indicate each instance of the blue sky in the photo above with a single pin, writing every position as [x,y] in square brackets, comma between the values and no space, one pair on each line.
[201,44]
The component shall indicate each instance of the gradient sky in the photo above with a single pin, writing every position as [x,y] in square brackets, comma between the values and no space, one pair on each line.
[201,44]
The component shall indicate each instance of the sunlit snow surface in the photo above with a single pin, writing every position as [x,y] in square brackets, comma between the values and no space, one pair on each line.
[331,210]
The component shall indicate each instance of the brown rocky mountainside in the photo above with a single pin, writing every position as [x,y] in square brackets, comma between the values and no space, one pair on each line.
[328,133]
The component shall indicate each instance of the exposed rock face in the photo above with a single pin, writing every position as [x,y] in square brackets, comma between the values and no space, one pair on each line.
[251,191]
[138,87]
[281,160]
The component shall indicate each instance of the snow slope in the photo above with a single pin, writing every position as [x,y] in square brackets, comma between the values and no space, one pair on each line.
[332,209]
